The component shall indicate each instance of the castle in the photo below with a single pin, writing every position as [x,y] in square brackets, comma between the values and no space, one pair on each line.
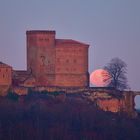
[50,62]
[60,64]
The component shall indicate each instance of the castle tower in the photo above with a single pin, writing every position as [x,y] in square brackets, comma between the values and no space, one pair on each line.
[71,65]
[5,74]
[41,56]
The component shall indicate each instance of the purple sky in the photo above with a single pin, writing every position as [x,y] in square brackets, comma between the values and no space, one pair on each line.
[111,27]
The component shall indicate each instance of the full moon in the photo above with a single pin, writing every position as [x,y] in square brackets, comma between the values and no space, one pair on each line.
[100,78]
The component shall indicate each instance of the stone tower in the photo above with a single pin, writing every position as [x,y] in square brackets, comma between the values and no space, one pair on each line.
[5,74]
[71,67]
[41,56]
[56,62]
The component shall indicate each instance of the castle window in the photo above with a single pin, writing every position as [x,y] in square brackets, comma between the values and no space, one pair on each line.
[3,76]
[58,60]
[74,61]
[40,39]
[67,61]
[46,39]
[58,69]
[6,70]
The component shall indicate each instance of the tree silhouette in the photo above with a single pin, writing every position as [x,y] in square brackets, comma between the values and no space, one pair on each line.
[117,70]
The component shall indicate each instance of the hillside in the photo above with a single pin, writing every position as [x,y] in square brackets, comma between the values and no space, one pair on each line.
[45,117]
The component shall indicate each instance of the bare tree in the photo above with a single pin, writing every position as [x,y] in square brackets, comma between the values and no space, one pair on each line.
[117,70]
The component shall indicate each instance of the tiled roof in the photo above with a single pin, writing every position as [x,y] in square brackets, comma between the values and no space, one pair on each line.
[4,65]
[21,75]
[69,41]
[21,71]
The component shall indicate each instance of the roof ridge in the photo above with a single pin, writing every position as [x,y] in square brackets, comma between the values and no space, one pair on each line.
[70,41]
[4,64]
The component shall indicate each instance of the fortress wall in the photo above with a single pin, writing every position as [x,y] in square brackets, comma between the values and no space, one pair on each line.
[71,80]
[113,105]
[5,75]
[41,56]
[71,59]
[56,62]
[71,66]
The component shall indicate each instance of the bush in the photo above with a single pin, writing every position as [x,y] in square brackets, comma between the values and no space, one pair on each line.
[13,96]
[41,94]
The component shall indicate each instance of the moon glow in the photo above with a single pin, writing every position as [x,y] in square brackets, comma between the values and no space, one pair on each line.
[100,78]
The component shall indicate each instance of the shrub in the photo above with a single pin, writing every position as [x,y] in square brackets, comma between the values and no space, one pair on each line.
[13,96]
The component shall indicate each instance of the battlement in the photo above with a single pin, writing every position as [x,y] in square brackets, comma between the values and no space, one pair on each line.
[41,32]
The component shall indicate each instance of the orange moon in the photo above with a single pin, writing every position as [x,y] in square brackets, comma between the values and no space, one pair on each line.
[100,78]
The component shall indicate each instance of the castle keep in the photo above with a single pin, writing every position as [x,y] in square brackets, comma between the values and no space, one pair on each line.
[60,65]
[53,62]
[56,62]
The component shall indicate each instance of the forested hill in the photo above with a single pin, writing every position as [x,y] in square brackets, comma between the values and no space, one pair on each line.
[44,117]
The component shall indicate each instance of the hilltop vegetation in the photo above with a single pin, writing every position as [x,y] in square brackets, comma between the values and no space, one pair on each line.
[47,117]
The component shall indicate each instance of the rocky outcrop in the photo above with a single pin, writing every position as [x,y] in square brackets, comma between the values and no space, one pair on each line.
[113,105]
[4,90]
[114,101]
[20,90]
[107,100]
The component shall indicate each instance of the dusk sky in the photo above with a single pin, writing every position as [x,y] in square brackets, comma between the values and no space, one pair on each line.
[111,27]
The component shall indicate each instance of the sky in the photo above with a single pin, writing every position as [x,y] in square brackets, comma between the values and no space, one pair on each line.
[111,27]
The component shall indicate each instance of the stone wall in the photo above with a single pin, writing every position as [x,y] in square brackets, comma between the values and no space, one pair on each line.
[20,90]
[71,67]
[109,101]
[57,62]
[41,56]
[4,90]
[5,75]
[113,105]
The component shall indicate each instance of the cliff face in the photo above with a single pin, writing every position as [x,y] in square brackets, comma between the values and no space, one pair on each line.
[107,100]
[114,101]
[49,118]
[113,105]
